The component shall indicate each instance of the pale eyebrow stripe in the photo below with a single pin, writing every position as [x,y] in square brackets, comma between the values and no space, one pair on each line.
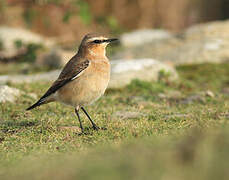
[98,38]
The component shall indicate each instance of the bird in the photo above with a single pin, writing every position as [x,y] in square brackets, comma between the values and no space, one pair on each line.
[83,79]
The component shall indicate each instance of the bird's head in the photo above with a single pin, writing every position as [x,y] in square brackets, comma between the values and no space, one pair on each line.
[95,45]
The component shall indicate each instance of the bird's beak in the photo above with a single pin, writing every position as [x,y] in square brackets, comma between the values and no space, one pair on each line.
[111,40]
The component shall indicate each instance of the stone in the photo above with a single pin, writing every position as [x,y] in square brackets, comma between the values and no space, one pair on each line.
[8,94]
[172,94]
[193,98]
[54,58]
[177,115]
[162,95]
[8,37]
[224,115]
[202,43]
[124,71]
[143,36]
[18,79]
[210,93]
[225,90]
[49,59]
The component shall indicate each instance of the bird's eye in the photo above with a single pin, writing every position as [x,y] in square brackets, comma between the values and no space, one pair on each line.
[97,41]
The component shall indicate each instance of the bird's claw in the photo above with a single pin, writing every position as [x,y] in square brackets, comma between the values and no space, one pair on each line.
[99,128]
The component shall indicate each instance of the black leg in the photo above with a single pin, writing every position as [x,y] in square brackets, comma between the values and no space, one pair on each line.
[77,113]
[95,127]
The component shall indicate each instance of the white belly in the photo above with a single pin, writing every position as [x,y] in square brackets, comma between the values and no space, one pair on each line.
[83,91]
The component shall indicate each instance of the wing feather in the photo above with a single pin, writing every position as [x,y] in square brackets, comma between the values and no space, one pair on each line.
[71,71]
[61,81]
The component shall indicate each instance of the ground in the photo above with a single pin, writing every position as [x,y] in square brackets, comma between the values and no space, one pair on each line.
[155,130]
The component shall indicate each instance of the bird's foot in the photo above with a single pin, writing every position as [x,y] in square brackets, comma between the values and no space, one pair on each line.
[98,128]
[86,131]
[95,127]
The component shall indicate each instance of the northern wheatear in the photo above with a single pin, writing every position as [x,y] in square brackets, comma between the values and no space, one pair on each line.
[83,79]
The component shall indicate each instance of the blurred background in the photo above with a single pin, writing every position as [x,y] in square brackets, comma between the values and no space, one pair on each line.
[48,32]
[69,20]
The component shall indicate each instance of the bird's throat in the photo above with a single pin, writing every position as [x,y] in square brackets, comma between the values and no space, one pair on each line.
[96,52]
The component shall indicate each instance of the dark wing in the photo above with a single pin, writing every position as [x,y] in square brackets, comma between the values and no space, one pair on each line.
[70,72]
[66,77]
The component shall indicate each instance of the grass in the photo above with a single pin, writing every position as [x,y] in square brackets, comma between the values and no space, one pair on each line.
[179,132]
[21,68]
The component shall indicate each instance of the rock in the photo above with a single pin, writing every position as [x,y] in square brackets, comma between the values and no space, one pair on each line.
[49,59]
[225,90]
[127,115]
[193,98]
[136,99]
[143,36]
[210,93]
[224,115]
[8,94]
[159,50]
[124,71]
[55,58]
[8,37]
[199,44]
[169,116]
[172,94]
[212,30]
[162,95]
[203,43]
[49,76]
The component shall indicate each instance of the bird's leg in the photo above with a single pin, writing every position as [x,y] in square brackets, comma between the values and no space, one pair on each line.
[77,113]
[95,127]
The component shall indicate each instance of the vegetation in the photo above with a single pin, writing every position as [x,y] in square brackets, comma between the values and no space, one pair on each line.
[115,15]
[178,131]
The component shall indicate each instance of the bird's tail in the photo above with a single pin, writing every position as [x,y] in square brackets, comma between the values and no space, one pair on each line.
[38,103]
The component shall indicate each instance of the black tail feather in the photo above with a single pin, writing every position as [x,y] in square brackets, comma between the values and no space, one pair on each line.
[38,103]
